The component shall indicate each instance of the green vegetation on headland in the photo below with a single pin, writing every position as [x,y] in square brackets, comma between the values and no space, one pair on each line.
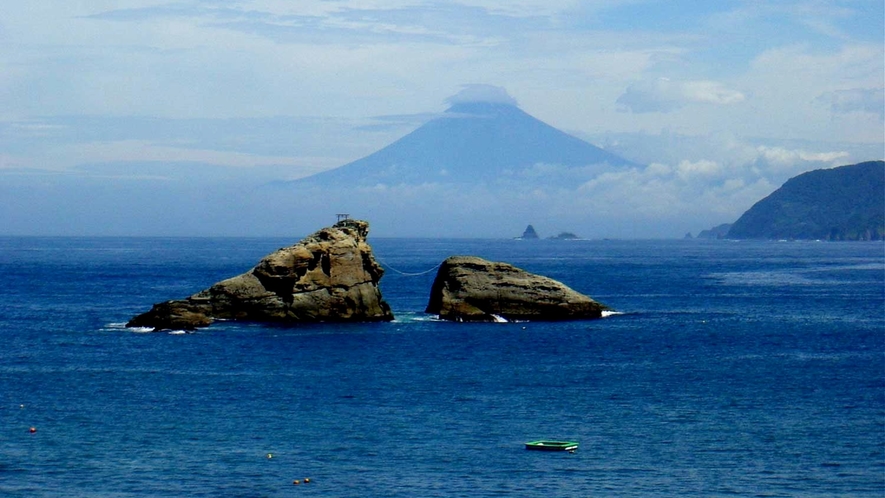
[844,203]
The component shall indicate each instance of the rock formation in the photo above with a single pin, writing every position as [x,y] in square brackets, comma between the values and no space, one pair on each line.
[529,233]
[468,288]
[331,275]
[565,236]
[717,232]
[844,203]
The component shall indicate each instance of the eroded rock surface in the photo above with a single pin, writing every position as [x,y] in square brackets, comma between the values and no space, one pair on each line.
[331,275]
[468,288]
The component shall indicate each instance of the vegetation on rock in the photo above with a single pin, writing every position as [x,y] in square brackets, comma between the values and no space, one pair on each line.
[844,203]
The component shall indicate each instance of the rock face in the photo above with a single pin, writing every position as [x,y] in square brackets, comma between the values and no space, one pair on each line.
[565,236]
[844,203]
[329,276]
[717,232]
[529,233]
[468,288]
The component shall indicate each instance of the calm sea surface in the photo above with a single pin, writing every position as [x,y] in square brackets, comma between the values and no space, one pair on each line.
[736,369]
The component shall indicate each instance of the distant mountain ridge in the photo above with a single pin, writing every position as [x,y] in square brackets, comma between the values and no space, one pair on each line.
[477,142]
[717,232]
[844,203]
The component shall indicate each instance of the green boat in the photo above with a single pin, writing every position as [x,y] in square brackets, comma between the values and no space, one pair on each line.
[552,445]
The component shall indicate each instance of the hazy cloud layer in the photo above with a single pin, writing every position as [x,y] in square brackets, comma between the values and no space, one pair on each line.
[664,95]
[482,93]
[721,100]
[864,100]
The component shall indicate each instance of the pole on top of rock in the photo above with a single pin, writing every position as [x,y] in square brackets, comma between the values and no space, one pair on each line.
[342,216]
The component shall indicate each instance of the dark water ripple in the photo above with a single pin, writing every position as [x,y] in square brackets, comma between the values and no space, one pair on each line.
[751,369]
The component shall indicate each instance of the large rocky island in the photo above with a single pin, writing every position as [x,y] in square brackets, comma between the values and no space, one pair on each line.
[472,289]
[331,275]
[844,203]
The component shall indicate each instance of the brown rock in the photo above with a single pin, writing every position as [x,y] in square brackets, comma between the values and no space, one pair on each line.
[468,288]
[331,275]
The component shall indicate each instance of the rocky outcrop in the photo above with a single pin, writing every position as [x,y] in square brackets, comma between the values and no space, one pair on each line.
[844,203]
[565,236]
[717,232]
[468,288]
[529,233]
[331,275]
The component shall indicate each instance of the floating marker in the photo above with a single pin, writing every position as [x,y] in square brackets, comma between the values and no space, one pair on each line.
[296,481]
[32,430]
[270,455]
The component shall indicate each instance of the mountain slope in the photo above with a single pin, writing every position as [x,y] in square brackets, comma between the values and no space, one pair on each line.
[845,203]
[477,142]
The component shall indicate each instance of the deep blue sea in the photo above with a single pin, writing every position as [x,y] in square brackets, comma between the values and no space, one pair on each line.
[735,369]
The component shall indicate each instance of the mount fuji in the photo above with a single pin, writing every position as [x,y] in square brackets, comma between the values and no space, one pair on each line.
[476,142]
[484,167]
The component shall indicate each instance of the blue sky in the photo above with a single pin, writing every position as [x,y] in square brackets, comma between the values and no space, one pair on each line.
[722,101]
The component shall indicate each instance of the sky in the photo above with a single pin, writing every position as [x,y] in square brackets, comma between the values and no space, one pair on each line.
[152,117]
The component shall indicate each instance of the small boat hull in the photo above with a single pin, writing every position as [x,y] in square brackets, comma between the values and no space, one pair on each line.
[551,445]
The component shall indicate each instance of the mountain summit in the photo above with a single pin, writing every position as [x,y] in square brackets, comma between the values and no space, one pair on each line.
[490,142]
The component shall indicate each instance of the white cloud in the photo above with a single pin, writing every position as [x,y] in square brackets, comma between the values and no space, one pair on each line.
[665,95]
[139,150]
[701,169]
[789,84]
[8,161]
[67,157]
[795,76]
[871,100]
[527,8]
[804,70]
[710,92]
[719,178]
[490,94]
[782,157]
[691,195]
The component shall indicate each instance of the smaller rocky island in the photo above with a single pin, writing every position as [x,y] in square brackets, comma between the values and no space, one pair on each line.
[529,234]
[329,276]
[471,289]
[565,236]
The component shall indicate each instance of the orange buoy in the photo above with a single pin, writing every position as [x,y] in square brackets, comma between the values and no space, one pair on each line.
[32,430]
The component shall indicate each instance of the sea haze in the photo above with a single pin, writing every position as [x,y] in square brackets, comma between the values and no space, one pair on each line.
[734,368]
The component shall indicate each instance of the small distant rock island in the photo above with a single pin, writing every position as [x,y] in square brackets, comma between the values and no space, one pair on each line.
[472,289]
[565,236]
[529,234]
[330,276]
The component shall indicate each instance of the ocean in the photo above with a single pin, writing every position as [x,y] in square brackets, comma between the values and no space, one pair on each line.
[731,369]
